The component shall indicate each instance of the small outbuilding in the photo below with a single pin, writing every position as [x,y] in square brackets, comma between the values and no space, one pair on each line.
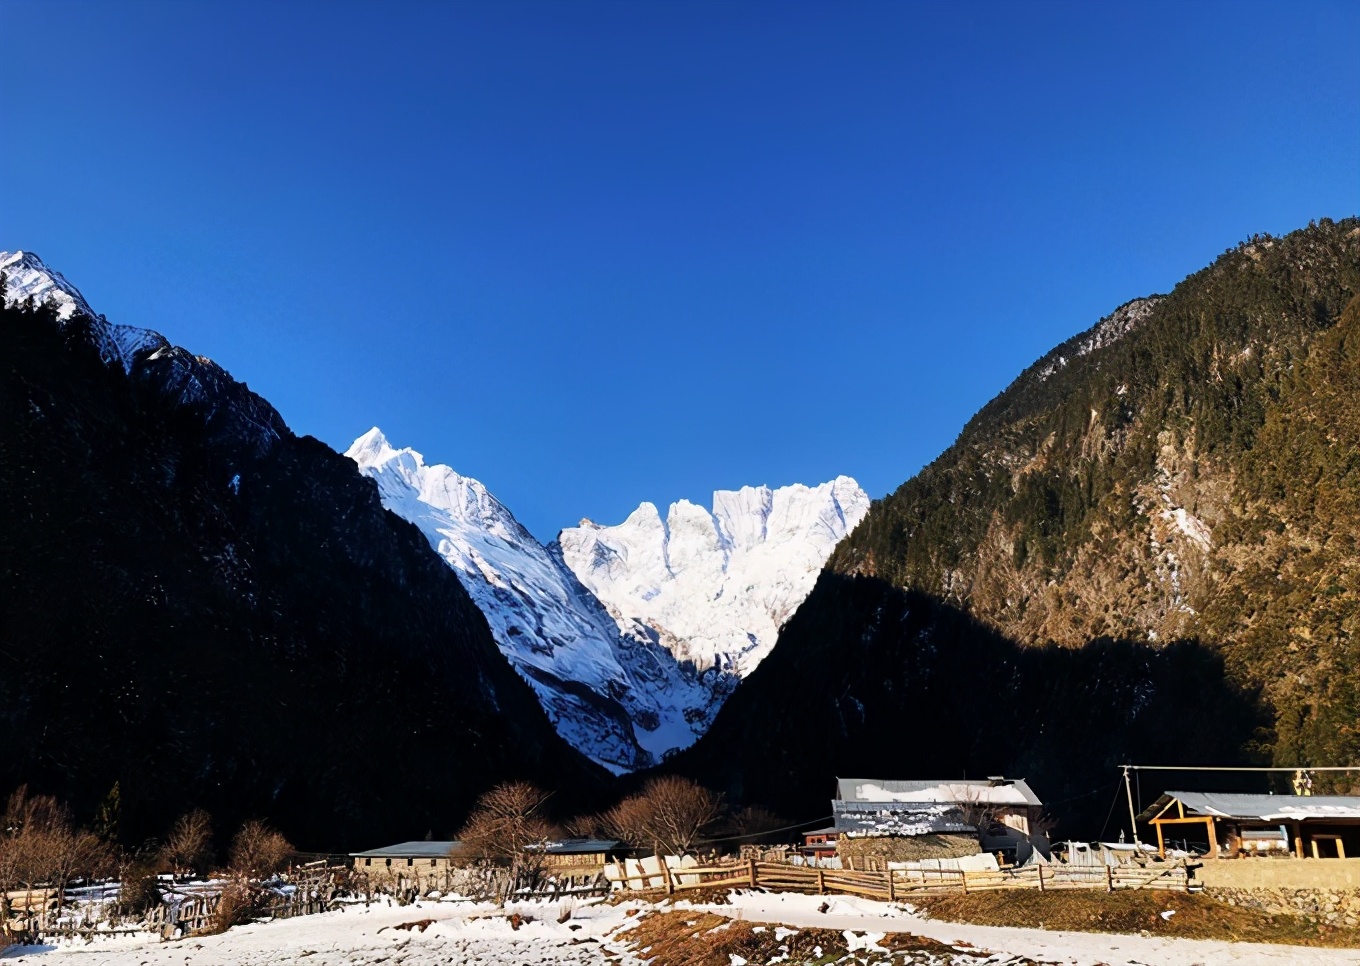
[1236,824]
[960,816]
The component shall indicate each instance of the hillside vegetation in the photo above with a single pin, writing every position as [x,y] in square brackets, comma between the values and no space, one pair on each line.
[1198,477]
[1182,478]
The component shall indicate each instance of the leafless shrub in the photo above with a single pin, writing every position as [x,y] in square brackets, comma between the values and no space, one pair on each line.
[189,845]
[40,844]
[671,813]
[509,825]
[140,891]
[240,903]
[258,851]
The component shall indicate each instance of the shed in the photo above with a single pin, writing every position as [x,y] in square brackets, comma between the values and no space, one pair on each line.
[1327,826]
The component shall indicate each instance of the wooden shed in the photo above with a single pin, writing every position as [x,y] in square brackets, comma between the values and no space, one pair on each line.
[1236,824]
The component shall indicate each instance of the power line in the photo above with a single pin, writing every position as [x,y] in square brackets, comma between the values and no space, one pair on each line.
[768,831]
[1241,768]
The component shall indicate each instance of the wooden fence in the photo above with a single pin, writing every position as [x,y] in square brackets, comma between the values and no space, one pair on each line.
[891,885]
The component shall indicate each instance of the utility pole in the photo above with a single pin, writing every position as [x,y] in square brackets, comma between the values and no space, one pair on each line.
[1133,820]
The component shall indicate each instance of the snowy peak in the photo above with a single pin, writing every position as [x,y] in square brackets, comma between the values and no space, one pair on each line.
[632,636]
[371,449]
[623,703]
[27,277]
[716,584]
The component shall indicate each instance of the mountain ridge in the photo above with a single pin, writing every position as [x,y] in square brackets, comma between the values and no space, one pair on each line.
[206,609]
[621,686]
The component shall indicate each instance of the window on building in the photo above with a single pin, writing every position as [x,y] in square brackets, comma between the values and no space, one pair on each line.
[389,862]
[410,862]
[434,862]
[368,861]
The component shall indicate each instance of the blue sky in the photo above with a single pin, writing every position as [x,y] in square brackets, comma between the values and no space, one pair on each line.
[595,254]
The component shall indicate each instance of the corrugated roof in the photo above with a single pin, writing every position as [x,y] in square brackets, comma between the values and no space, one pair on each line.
[1265,808]
[582,846]
[438,850]
[1005,791]
[408,850]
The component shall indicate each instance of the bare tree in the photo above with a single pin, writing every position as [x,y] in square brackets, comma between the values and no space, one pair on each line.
[188,848]
[39,844]
[671,813]
[510,825]
[259,850]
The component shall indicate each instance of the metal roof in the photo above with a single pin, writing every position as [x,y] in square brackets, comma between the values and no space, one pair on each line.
[582,846]
[408,850]
[439,850]
[1263,808]
[987,791]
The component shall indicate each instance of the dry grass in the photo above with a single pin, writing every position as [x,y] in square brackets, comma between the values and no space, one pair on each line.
[1196,916]
[707,939]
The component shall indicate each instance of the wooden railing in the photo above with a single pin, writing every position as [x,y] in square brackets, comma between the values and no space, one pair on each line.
[890,886]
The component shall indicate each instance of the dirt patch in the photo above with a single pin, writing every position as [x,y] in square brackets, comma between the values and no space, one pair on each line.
[1192,916]
[707,939]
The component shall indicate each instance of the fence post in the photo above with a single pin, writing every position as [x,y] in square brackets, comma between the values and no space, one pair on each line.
[892,888]
[1109,879]
[752,863]
[666,871]
[963,876]
[821,881]
[1041,878]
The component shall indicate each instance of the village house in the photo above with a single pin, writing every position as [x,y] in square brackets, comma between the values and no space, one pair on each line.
[1230,824]
[903,820]
[412,861]
[419,861]
[820,843]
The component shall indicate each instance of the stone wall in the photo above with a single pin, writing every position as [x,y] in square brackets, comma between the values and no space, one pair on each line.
[1327,890]
[1341,874]
[903,848]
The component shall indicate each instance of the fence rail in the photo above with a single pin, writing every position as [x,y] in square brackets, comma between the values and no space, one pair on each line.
[900,883]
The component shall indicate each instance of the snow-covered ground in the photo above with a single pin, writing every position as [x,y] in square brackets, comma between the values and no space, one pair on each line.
[468,933]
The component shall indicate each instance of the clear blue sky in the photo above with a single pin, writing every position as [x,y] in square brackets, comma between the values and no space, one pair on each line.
[595,254]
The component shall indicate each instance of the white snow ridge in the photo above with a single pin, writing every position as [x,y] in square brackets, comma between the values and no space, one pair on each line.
[635,663]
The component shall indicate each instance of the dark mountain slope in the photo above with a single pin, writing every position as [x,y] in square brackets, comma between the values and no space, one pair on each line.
[1184,471]
[211,611]
[874,681]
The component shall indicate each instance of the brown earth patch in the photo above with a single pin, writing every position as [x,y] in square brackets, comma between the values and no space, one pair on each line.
[705,939]
[1195,916]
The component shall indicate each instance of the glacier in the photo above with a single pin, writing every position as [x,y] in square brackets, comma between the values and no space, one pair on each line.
[632,636]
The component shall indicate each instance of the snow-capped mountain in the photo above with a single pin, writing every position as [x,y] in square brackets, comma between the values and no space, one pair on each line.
[621,700]
[714,586]
[688,609]
[228,406]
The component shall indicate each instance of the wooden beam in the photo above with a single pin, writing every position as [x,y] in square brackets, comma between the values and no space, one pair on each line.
[1161,842]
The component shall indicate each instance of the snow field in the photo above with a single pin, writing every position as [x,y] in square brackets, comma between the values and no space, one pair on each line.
[479,934]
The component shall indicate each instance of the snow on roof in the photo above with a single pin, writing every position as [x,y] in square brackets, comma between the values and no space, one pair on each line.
[989,791]
[865,819]
[1267,808]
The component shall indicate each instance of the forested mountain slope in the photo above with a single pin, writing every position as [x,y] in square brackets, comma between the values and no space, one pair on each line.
[1187,470]
[211,611]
